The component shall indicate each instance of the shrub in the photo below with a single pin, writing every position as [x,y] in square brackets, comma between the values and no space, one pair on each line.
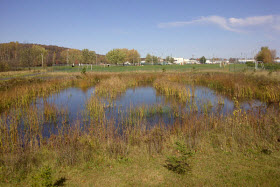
[44,177]
[84,70]
[179,164]
[250,64]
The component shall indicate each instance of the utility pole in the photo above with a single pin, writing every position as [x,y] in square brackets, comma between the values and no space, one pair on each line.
[96,59]
[133,57]
[42,60]
[68,57]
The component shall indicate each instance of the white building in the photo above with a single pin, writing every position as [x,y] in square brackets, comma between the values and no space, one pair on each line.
[246,60]
[179,61]
[209,62]
[183,61]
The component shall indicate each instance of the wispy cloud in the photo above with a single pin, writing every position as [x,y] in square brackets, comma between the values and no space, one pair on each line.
[230,24]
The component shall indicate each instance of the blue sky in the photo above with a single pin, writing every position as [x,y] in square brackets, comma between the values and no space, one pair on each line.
[183,28]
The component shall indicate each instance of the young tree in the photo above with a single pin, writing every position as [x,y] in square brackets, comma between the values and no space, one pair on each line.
[85,56]
[264,55]
[202,60]
[74,56]
[116,56]
[155,59]
[232,60]
[53,57]
[133,56]
[148,58]
[167,59]
[102,59]
[92,57]
[39,55]
[273,54]
[26,57]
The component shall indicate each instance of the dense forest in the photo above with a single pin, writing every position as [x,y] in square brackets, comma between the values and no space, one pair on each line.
[16,56]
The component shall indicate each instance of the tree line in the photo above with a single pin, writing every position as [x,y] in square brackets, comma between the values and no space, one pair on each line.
[15,55]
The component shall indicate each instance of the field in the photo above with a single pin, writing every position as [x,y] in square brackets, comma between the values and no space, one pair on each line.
[157,68]
[190,125]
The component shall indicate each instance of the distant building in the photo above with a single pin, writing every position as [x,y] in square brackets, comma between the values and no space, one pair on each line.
[209,62]
[246,60]
[179,61]
[182,61]
[277,60]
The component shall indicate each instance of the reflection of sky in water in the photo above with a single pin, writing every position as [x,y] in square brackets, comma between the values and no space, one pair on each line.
[220,104]
[74,100]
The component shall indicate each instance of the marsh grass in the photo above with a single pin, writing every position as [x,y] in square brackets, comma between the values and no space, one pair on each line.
[228,150]
[173,89]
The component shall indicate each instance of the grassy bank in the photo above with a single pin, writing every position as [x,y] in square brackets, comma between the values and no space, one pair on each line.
[196,149]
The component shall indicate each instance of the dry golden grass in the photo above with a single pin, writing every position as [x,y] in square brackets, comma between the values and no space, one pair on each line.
[239,149]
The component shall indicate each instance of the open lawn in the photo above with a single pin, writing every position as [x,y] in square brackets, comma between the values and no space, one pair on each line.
[155,68]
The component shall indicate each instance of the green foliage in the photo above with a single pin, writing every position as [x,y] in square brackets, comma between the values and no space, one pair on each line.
[26,57]
[264,55]
[44,177]
[148,58]
[116,56]
[155,59]
[37,52]
[169,59]
[132,55]
[202,60]
[267,66]
[250,64]
[84,70]
[73,55]
[179,164]
[272,66]
[88,57]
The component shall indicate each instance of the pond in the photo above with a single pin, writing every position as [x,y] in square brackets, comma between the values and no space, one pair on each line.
[142,104]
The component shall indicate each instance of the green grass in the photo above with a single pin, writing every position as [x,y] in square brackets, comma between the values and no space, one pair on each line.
[157,68]
[215,169]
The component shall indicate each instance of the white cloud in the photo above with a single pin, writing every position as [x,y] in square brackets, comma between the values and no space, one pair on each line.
[231,24]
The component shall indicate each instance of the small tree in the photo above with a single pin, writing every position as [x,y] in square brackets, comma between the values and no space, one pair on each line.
[37,53]
[26,57]
[169,59]
[232,60]
[88,57]
[273,54]
[202,60]
[155,59]
[148,58]
[264,55]
[116,56]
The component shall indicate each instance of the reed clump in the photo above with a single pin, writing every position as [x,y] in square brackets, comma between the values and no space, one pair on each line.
[241,85]
[173,89]
[111,87]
